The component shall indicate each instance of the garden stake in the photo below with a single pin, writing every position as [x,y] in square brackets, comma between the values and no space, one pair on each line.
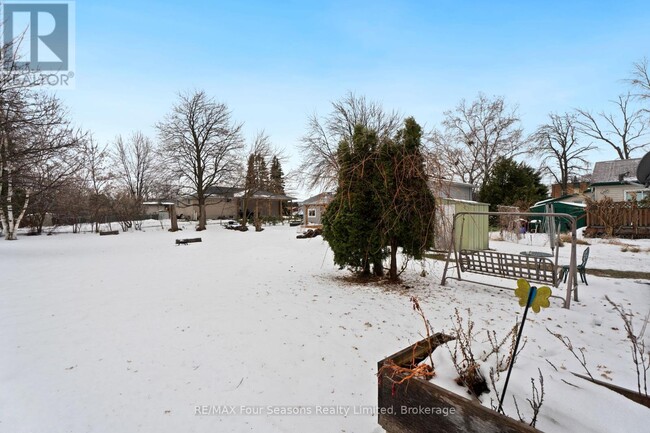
[532,291]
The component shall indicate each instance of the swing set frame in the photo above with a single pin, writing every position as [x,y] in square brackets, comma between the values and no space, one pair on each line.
[513,266]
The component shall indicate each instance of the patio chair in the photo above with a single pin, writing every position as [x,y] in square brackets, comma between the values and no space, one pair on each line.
[581,268]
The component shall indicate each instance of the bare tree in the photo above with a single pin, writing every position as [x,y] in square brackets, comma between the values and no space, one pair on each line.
[135,160]
[98,179]
[558,143]
[71,203]
[13,94]
[52,173]
[257,174]
[448,160]
[137,171]
[201,144]
[37,143]
[476,135]
[34,132]
[625,132]
[319,145]
[640,79]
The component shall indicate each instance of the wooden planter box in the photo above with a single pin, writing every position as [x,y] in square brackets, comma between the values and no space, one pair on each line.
[632,395]
[418,405]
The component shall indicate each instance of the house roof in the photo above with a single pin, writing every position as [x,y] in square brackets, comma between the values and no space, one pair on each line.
[466,185]
[159,203]
[224,191]
[322,198]
[441,180]
[460,200]
[620,170]
[261,194]
[228,191]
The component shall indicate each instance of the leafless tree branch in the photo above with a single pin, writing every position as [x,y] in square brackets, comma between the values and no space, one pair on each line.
[625,132]
[476,135]
[559,144]
[319,145]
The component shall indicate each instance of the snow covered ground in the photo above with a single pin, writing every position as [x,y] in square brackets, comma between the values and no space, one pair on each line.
[132,333]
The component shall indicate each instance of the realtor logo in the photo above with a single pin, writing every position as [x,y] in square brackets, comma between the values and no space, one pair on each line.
[39,37]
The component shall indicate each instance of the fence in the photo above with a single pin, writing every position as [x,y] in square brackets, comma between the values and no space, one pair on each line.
[620,219]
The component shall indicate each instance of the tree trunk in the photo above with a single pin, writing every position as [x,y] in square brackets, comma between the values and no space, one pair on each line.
[257,221]
[40,222]
[172,217]
[366,267]
[202,217]
[393,259]
[5,223]
[9,223]
[13,224]
[244,210]
[378,268]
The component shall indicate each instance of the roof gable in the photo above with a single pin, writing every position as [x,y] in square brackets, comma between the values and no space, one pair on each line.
[322,198]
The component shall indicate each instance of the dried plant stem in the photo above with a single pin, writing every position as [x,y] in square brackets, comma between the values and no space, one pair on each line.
[427,326]
[535,402]
[567,343]
[640,357]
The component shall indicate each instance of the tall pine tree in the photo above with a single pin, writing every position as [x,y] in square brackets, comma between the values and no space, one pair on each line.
[382,202]
[257,179]
[276,181]
[250,173]
[261,172]
[408,206]
[350,221]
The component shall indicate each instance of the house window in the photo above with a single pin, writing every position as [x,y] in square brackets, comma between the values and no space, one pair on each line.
[311,212]
[639,194]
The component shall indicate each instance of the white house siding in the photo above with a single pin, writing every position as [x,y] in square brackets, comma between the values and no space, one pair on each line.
[319,210]
[221,208]
[462,192]
[188,210]
[214,209]
[318,204]
[615,192]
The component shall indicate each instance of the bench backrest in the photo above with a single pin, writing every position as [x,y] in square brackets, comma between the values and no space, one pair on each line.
[512,266]
[585,256]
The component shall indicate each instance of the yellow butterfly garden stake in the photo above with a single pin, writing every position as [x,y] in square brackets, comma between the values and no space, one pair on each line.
[535,297]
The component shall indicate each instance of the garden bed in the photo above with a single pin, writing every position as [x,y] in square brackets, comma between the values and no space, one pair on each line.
[417,405]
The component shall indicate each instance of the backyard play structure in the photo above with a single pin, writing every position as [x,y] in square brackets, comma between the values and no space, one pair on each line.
[535,267]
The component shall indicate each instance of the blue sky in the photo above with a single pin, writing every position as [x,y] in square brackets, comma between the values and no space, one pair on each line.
[276,62]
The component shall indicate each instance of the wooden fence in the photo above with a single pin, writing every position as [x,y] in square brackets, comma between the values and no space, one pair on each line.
[620,219]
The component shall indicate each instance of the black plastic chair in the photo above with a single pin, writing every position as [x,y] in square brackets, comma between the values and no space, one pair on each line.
[581,268]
